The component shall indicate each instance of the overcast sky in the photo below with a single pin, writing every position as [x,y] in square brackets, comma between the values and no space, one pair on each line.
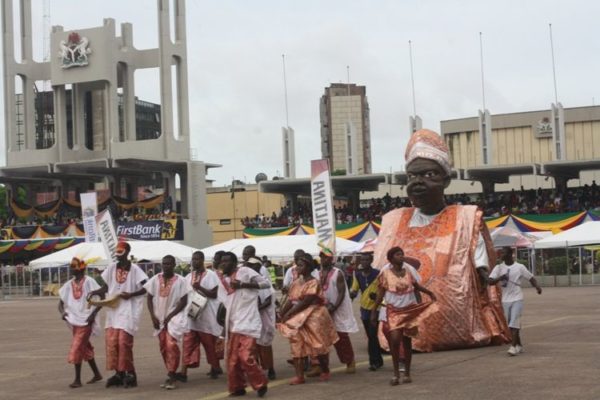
[236,80]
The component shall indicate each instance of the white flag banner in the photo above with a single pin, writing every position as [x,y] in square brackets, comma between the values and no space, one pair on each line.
[107,233]
[89,210]
[322,205]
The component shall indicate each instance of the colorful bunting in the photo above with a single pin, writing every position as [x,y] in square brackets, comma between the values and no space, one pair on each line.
[38,245]
[525,223]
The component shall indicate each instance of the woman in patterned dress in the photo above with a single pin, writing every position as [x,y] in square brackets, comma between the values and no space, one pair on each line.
[306,322]
[398,283]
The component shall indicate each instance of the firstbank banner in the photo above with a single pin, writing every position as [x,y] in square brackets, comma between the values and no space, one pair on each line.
[322,204]
[168,229]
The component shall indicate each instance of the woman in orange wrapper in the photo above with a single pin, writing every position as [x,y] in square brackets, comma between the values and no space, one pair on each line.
[398,284]
[306,322]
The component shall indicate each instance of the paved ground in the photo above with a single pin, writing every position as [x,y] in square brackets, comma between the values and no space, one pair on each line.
[561,334]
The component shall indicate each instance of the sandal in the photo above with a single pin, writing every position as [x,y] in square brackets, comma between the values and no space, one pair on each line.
[395,381]
[406,379]
[94,380]
[324,377]
[297,381]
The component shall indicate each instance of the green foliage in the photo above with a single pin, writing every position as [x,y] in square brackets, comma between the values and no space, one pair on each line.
[557,266]
[338,172]
[183,269]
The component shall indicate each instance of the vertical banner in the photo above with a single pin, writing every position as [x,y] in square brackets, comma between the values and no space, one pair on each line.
[322,204]
[89,210]
[107,233]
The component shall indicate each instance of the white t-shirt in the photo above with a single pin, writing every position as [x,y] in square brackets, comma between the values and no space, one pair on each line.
[127,314]
[419,219]
[516,272]
[163,306]
[207,320]
[77,309]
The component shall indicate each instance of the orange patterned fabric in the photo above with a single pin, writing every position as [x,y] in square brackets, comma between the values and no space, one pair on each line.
[119,350]
[429,145]
[242,364]
[311,331]
[169,349]
[191,349]
[466,317]
[406,318]
[81,348]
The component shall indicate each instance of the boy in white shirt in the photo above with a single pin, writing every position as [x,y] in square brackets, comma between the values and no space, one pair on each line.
[510,273]
[167,298]
[81,318]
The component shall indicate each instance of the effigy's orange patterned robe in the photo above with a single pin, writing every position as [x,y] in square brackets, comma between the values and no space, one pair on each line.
[466,317]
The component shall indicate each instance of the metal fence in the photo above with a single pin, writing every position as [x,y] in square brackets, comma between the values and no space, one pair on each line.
[24,281]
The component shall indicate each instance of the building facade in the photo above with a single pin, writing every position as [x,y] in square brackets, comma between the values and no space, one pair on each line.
[91,131]
[345,128]
[559,143]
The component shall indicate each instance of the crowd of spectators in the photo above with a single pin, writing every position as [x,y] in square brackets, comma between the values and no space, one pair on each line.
[523,201]
[62,218]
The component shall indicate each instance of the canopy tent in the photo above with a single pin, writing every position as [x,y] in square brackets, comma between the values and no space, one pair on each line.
[581,235]
[153,250]
[280,247]
[508,236]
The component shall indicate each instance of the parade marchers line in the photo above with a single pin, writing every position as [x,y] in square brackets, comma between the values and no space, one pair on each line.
[279,382]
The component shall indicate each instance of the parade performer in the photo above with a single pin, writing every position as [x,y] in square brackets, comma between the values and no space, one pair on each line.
[243,326]
[397,285]
[123,282]
[339,305]
[81,318]
[306,322]
[454,247]
[204,329]
[167,298]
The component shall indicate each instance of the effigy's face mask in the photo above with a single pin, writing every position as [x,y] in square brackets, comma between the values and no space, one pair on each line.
[426,182]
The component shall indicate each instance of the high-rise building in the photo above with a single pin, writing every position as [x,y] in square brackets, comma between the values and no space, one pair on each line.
[345,128]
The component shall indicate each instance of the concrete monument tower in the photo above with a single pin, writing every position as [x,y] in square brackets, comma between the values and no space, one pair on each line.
[91,137]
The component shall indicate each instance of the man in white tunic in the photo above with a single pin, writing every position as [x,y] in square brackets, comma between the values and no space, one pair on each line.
[266,306]
[167,298]
[81,318]
[243,325]
[123,280]
[204,329]
[337,301]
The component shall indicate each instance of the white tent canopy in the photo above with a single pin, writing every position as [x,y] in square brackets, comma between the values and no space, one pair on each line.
[581,235]
[153,250]
[508,236]
[280,247]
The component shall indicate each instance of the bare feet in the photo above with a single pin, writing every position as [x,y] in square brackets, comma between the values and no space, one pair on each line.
[95,379]
[75,384]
